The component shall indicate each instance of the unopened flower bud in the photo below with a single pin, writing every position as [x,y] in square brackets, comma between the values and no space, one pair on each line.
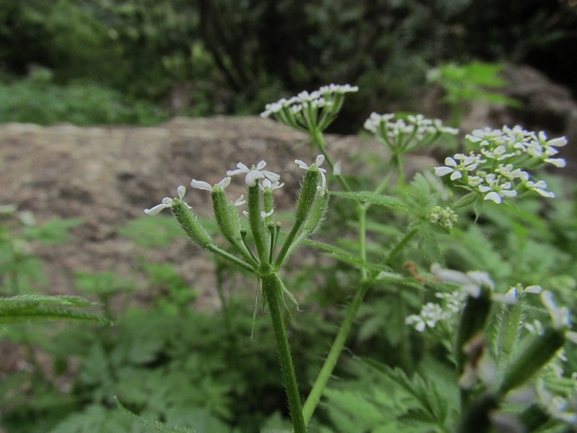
[187,220]
[541,350]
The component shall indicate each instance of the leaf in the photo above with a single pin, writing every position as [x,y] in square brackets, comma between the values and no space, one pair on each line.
[13,312]
[151,232]
[373,198]
[428,244]
[420,197]
[344,256]
[64,301]
[94,419]
[434,406]
[155,425]
[53,231]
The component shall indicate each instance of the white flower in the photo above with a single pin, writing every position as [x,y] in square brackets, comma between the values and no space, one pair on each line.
[240,201]
[479,365]
[270,185]
[166,202]
[557,162]
[467,163]
[254,174]
[495,190]
[559,315]
[470,283]
[199,184]
[337,88]
[539,187]
[429,316]
[318,162]
[263,214]
[554,405]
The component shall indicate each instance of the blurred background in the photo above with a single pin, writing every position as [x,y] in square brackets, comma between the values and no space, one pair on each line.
[143,61]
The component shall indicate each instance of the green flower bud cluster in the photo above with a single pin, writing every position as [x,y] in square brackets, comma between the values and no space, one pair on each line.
[443,217]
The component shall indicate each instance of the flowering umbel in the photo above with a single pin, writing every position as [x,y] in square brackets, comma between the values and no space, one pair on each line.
[496,168]
[310,112]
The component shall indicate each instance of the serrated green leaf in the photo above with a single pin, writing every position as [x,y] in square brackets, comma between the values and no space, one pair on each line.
[428,244]
[155,425]
[60,300]
[13,312]
[346,257]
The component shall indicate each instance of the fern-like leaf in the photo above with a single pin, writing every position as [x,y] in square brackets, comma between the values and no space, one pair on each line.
[155,425]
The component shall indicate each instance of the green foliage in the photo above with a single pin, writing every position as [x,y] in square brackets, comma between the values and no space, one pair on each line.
[114,54]
[36,99]
[148,232]
[470,82]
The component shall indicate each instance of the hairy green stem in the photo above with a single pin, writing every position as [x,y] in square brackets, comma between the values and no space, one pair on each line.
[333,356]
[363,237]
[272,290]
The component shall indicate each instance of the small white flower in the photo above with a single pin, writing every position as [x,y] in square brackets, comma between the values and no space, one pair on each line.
[559,315]
[554,405]
[470,283]
[495,190]
[557,162]
[254,174]
[266,183]
[166,202]
[457,169]
[338,88]
[318,162]
[199,184]
[240,201]
[263,214]
[539,187]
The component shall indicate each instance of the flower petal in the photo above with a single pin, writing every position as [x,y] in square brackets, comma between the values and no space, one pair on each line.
[199,184]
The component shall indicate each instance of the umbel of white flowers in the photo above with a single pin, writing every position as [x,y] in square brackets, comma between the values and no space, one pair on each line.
[261,183]
[496,168]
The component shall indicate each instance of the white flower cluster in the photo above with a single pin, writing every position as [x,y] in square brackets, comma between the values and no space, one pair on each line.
[443,217]
[432,313]
[406,134]
[496,170]
[252,175]
[310,112]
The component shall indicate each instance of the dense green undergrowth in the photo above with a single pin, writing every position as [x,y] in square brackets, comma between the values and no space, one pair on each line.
[217,371]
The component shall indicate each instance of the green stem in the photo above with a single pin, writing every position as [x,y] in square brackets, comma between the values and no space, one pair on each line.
[272,291]
[319,140]
[363,237]
[400,246]
[241,263]
[336,349]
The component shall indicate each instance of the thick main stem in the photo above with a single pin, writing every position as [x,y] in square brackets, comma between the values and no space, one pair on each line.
[333,356]
[273,292]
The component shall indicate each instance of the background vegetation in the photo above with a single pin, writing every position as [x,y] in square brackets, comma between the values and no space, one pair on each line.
[139,61]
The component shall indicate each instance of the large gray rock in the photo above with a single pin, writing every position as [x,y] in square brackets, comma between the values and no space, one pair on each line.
[107,176]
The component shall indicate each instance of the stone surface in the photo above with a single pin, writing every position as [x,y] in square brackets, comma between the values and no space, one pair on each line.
[107,176]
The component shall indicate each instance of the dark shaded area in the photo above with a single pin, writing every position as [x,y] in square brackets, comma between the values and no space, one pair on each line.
[228,56]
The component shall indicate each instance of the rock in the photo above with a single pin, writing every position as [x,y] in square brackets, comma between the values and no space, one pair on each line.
[108,176]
